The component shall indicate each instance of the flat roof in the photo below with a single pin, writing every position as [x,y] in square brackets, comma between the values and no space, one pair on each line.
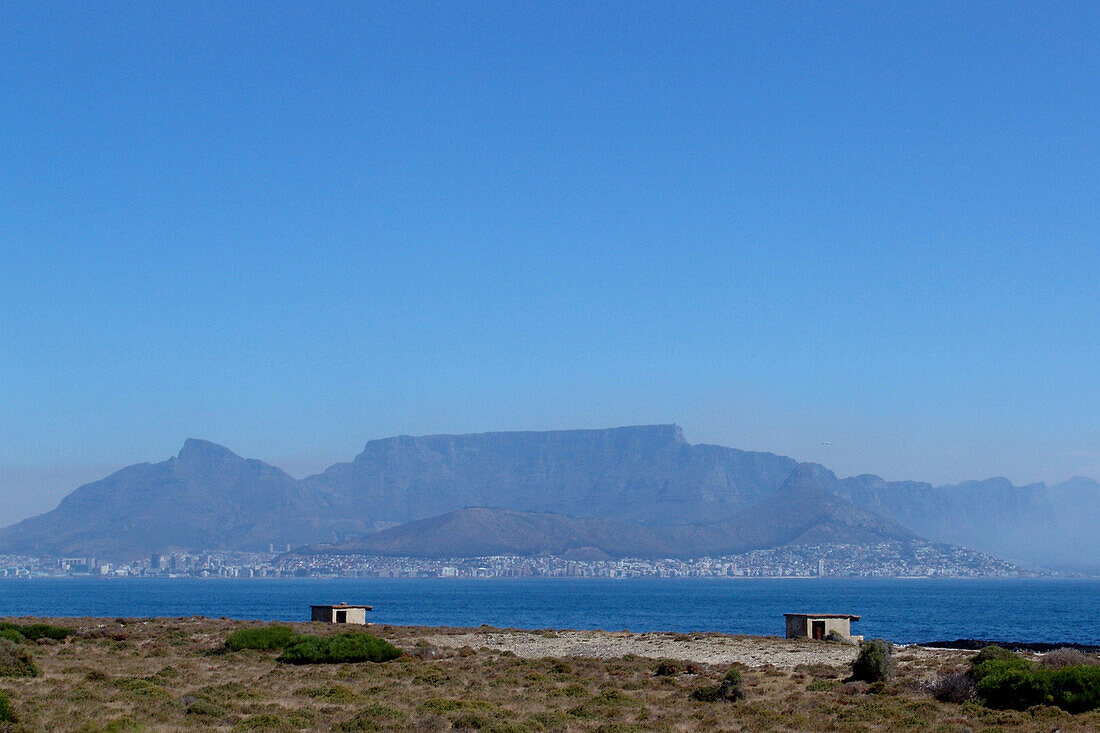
[848,616]
[344,605]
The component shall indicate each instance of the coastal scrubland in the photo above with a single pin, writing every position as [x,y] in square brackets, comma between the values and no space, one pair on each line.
[179,674]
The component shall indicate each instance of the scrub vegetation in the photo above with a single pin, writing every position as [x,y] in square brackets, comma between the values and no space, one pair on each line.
[180,674]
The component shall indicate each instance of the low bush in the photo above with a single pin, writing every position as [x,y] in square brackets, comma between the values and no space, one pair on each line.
[16,661]
[992,653]
[262,637]
[45,631]
[34,631]
[349,647]
[6,715]
[668,667]
[956,688]
[731,689]
[875,662]
[1067,657]
[1013,682]
[12,635]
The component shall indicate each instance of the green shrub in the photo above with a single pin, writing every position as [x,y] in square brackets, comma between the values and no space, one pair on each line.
[33,631]
[875,662]
[1075,689]
[45,631]
[1019,684]
[349,647]
[731,689]
[262,637]
[12,635]
[991,653]
[6,715]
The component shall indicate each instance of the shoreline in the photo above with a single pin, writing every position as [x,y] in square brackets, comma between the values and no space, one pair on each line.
[445,632]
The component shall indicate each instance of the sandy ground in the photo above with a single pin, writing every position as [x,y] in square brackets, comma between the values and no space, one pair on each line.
[752,651]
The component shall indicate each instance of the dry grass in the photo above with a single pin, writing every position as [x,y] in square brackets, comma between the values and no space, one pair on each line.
[175,674]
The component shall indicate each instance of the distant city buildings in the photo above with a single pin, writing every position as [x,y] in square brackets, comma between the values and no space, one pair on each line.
[834,560]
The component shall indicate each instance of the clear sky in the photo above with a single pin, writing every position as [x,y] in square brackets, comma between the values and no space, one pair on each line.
[293,227]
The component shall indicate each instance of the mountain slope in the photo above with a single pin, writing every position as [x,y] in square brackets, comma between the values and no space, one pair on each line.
[205,497]
[482,532]
[801,512]
[1016,522]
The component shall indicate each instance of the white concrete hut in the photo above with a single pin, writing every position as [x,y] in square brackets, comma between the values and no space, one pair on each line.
[820,625]
[342,614]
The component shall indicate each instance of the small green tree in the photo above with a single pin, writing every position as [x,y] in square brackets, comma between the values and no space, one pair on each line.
[875,662]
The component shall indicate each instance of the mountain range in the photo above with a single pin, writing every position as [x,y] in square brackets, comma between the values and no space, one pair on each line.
[633,490]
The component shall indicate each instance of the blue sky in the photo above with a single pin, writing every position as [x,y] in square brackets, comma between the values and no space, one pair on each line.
[293,227]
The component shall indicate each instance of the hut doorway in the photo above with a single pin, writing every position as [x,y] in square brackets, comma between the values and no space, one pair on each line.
[818,630]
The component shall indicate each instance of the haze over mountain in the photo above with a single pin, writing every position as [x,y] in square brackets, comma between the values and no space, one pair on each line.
[608,488]
[646,474]
[205,497]
[800,512]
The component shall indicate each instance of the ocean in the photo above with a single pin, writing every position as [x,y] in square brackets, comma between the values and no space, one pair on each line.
[903,611]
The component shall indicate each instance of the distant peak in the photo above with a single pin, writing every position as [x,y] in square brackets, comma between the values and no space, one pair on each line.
[195,450]
[808,476]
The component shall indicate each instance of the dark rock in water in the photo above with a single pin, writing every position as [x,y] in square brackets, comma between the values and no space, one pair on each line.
[1016,646]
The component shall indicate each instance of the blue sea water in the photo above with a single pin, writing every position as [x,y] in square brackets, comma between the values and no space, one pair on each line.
[1034,610]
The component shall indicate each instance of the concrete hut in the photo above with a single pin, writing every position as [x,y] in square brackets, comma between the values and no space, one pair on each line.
[342,614]
[820,625]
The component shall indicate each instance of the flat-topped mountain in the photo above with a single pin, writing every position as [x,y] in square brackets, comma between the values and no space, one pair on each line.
[648,474]
[645,477]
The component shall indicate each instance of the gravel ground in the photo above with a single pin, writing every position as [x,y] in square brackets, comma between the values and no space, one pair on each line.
[752,651]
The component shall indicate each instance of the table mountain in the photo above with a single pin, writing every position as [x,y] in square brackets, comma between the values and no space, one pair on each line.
[647,473]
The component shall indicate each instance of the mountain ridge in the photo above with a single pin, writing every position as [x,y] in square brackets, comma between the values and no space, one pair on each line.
[208,497]
[800,513]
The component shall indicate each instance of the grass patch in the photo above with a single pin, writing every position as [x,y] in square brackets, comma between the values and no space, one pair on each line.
[332,693]
[441,705]
[372,717]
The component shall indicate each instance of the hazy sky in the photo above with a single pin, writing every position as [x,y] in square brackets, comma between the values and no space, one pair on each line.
[291,228]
